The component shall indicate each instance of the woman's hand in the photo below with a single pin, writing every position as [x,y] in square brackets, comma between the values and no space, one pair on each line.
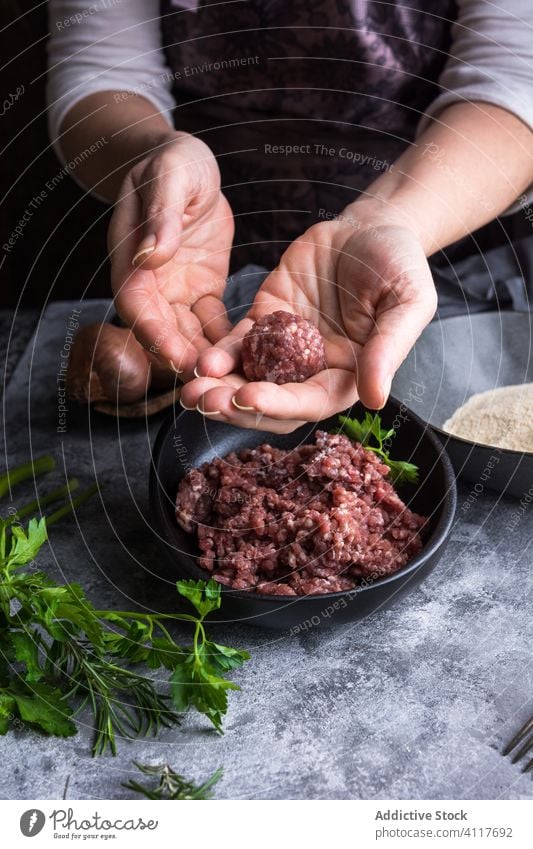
[366,284]
[169,241]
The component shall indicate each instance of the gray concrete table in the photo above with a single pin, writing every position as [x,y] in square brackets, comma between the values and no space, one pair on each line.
[412,703]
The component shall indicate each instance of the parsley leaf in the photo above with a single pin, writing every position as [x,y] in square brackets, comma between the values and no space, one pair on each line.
[402,471]
[372,436]
[223,658]
[204,597]
[7,708]
[26,650]
[25,545]
[196,684]
[42,705]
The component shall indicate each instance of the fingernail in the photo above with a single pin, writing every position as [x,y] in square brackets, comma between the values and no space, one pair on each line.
[195,370]
[146,247]
[239,407]
[186,408]
[174,369]
[208,413]
[385,390]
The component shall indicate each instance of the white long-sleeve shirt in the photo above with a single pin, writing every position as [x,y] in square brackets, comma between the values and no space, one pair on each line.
[116,45]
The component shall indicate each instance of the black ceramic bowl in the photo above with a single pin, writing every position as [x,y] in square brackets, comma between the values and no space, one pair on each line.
[187,439]
[456,358]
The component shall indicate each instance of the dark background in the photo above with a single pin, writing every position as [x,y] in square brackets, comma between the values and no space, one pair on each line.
[62,251]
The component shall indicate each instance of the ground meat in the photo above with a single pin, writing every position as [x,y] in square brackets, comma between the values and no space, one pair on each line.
[317,519]
[282,348]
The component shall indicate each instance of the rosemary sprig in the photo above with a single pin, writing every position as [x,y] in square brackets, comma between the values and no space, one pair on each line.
[171,785]
[122,701]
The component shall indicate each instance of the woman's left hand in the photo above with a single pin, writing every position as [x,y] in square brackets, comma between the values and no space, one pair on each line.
[365,283]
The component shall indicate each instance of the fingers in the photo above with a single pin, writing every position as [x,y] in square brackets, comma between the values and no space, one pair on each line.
[193,392]
[212,315]
[238,401]
[214,400]
[395,332]
[328,392]
[137,299]
[155,324]
[224,357]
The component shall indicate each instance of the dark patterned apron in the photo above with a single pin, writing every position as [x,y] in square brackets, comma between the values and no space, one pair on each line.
[304,103]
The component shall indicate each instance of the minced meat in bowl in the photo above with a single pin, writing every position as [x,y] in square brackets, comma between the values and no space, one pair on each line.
[313,519]
[187,441]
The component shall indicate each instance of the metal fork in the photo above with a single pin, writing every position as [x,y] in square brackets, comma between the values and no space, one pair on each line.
[524,736]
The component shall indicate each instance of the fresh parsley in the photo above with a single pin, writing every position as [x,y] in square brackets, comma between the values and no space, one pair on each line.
[59,654]
[198,677]
[372,436]
[171,785]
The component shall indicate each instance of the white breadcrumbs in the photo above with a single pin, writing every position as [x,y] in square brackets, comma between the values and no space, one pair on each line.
[502,418]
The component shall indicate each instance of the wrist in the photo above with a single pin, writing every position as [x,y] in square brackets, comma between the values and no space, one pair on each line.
[367,213]
[176,149]
[369,218]
[396,200]
[148,142]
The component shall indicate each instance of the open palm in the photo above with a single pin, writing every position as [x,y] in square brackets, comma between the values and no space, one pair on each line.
[370,293]
[172,298]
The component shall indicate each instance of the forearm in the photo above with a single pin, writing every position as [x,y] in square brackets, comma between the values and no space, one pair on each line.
[118,128]
[468,166]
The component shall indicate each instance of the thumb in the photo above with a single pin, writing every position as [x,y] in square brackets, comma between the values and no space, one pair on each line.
[161,213]
[144,231]
[395,331]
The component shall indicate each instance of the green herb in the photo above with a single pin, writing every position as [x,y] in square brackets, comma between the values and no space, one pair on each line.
[171,785]
[28,470]
[197,680]
[61,655]
[372,436]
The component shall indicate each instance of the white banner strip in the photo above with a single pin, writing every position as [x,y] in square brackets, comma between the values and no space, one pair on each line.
[273,824]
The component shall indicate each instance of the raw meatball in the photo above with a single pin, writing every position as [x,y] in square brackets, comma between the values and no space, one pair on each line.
[282,348]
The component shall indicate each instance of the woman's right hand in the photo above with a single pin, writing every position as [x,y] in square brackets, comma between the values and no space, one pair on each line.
[169,242]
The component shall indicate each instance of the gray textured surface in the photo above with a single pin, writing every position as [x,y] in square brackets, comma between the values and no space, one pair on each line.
[414,702]
[15,331]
